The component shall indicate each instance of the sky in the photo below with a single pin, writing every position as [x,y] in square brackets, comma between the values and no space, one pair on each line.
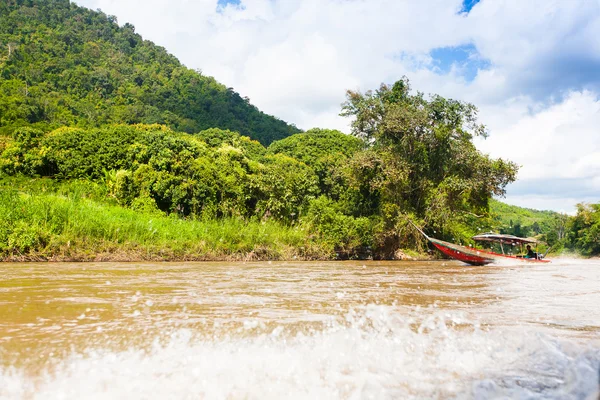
[531,67]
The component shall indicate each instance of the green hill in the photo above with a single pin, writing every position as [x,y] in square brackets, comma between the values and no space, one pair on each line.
[578,234]
[521,221]
[65,65]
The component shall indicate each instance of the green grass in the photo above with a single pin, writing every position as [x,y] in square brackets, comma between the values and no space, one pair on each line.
[47,225]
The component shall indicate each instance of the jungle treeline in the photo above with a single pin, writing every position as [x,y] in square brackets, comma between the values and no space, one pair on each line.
[111,149]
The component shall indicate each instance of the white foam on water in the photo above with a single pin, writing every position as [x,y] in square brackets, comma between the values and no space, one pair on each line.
[374,353]
[554,261]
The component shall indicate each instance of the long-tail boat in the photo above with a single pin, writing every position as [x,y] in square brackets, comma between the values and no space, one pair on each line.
[474,256]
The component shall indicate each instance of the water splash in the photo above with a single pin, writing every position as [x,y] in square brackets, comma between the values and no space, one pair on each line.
[372,352]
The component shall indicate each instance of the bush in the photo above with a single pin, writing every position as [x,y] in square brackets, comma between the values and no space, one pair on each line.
[26,238]
[338,232]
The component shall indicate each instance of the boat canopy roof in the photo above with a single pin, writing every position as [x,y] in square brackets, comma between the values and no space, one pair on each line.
[497,237]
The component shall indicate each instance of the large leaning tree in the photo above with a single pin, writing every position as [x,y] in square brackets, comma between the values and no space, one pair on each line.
[421,162]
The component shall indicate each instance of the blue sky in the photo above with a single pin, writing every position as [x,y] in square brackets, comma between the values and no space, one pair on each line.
[222,3]
[467,5]
[465,59]
[531,67]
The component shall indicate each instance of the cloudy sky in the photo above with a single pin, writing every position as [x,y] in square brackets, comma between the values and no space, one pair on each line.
[532,67]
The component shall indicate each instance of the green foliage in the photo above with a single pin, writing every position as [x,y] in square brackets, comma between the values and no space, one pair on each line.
[53,226]
[17,155]
[524,222]
[326,151]
[316,146]
[179,172]
[25,238]
[65,65]
[284,188]
[216,138]
[364,176]
[584,230]
[345,235]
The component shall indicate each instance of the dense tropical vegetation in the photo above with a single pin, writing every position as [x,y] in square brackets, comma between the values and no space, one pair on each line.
[110,149]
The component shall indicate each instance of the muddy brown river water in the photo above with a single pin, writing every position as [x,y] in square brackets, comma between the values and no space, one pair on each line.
[299,330]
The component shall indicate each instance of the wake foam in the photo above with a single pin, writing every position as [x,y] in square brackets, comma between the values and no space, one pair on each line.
[372,353]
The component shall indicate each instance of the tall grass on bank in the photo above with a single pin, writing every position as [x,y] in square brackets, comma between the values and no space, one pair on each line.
[41,226]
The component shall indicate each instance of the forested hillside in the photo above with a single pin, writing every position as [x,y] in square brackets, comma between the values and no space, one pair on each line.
[526,222]
[64,65]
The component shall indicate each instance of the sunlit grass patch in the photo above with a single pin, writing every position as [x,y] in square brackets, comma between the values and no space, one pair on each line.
[53,226]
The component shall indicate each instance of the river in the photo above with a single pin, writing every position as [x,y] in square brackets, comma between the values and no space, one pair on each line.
[299,330]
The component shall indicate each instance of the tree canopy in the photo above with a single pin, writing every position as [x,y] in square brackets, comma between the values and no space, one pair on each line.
[422,159]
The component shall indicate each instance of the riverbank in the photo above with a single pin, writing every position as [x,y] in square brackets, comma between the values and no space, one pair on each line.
[51,227]
[77,221]
[70,224]
[166,255]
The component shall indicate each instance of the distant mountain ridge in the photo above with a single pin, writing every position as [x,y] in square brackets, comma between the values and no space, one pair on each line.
[65,65]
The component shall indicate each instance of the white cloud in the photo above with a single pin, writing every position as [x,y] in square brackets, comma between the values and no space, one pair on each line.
[561,141]
[295,59]
[558,149]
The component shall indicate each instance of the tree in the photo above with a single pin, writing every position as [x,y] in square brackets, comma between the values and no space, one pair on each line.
[326,151]
[584,229]
[429,165]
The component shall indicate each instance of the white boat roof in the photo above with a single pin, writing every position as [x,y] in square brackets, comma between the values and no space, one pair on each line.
[498,237]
